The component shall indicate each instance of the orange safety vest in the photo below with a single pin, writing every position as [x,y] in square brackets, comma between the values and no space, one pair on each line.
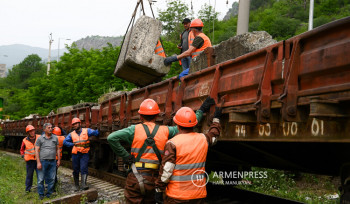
[191,154]
[161,137]
[206,44]
[81,142]
[60,145]
[159,49]
[29,152]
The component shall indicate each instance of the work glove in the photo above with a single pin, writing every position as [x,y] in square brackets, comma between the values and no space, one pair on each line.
[169,60]
[158,197]
[22,156]
[206,104]
[129,159]
[218,112]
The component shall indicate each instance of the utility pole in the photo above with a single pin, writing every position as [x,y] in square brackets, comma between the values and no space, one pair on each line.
[311,15]
[49,59]
[243,16]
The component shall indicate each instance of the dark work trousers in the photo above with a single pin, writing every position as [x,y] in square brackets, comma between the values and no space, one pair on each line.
[31,166]
[169,200]
[132,189]
[80,163]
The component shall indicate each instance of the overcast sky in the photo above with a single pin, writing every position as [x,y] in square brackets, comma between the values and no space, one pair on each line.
[30,22]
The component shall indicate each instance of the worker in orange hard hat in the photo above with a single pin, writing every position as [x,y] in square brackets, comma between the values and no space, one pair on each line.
[183,162]
[28,153]
[147,141]
[79,140]
[58,132]
[199,44]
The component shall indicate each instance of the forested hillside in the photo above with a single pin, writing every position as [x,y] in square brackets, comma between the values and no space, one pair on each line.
[84,75]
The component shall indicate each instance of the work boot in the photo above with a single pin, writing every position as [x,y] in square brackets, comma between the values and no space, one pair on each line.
[83,182]
[76,182]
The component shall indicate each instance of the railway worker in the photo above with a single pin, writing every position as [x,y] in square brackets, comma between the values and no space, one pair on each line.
[186,38]
[46,149]
[199,44]
[79,140]
[184,157]
[57,131]
[147,142]
[28,153]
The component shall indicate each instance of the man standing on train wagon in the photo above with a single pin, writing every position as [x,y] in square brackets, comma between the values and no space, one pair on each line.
[186,38]
[57,131]
[79,140]
[46,149]
[147,142]
[28,153]
[199,44]
[184,160]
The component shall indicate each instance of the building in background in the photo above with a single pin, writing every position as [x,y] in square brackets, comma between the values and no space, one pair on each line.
[3,70]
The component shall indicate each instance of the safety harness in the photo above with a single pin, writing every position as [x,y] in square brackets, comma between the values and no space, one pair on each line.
[149,141]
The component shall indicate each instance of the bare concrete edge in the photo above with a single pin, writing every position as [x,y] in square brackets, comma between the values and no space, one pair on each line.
[91,195]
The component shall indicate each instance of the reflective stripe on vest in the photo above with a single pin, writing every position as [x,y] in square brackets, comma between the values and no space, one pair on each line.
[159,50]
[188,179]
[190,38]
[81,142]
[206,44]
[60,145]
[29,152]
[140,136]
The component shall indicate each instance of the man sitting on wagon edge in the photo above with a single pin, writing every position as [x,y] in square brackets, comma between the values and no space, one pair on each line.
[147,142]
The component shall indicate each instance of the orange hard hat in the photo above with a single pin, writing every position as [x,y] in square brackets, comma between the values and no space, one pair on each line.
[149,107]
[185,117]
[29,128]
[76,120]
[56,131]
[196,23]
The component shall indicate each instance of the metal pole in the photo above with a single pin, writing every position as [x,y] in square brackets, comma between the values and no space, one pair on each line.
[58,51]
[311,15]
[243,16]
[49,59]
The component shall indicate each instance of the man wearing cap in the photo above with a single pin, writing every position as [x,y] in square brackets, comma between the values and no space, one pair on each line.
[28,153]
[181,174]
[79,140]
[147,141]
[186,38]
[199,44]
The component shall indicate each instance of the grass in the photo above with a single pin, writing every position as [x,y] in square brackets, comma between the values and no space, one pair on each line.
[308,188]
[12,180]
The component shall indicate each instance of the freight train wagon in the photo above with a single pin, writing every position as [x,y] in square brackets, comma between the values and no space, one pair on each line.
[286,106]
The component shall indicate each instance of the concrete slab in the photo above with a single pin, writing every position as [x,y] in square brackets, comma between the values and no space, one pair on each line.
[137,61]
[234,47]
[89,195]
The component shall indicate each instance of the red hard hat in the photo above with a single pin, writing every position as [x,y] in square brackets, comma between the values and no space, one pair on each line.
[196,23]
[76,120]
[56,131]
[149,107]
[185,117]
[29,128]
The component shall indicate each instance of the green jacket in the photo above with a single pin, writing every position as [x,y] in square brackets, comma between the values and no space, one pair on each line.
[127,135]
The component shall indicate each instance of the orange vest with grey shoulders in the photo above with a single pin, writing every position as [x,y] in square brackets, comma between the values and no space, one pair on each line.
[188,179]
